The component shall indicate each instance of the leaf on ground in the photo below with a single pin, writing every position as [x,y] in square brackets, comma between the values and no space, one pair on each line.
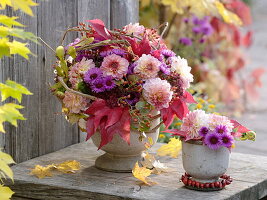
[159,167]
[41,172]
[150,162]
[142,174]
[171,149]
[69,166]
[5,192]
[13,89]
[24,5]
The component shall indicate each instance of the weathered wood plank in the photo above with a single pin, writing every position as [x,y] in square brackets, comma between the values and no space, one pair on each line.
[123,12]
[54,17]
[248,171]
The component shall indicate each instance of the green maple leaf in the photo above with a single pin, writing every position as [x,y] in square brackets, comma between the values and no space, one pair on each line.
[13,89]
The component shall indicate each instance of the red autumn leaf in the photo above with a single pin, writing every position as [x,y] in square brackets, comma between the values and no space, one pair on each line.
[114,116]
[188,98]
[167,116]
[140,48]
[90,128]
[247,39]
[240,128]
[175,132]
[96,105]
[99,26]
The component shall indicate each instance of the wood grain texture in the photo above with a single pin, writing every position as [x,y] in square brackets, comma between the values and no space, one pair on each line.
[123,12]
[249,173]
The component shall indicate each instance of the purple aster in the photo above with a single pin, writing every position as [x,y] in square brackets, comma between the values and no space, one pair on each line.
[221,129]
[131,68]
[206,29]
[165,69]
[118,52]
[92,75]
[98,85]
[134,98]
[186,41]
[167,53]
[203,131]
[83,54]
[196,29]
[198,21]
[109,83]
[226,140]
[186,20]
[202,40]
[213,141]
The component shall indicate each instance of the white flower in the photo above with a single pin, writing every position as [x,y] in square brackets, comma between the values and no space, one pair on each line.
[134,29]
[180,66]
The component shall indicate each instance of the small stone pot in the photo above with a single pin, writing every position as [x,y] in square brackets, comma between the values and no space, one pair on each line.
[202,163]
[119,156]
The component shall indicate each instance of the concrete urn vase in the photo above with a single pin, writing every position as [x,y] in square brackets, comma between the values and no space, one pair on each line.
[202,163]
[119,156]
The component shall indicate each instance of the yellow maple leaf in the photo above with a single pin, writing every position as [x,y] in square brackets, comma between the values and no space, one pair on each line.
[5,192]
[19,48]
[227,15]
[4,3]
[5,170]
[69,166]
[171,149]
[42,172]
[142,174]
[24,5]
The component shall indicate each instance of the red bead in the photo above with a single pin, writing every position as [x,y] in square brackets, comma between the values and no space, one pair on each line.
[189,182]
[217,184]
[228,182]
[207,185]
[185,181]
[193,183]
[197,184]
[201,185]
[223,183]
[220,185]
[212,185]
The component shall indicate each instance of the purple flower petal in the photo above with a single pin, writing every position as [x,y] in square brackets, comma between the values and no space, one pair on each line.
[203,131]
[92,74]
[186,41]
[109,83]
[213,141]
[98,85]
[226,140]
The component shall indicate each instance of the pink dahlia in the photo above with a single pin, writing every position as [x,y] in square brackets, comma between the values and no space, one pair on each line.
[115,66]
[147,66]
[158,93]
[216,120]
[75,103]
[78,70]
[134,29]
[193,122]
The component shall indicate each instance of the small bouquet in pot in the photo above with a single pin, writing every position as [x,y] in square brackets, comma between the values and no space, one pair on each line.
[112,80]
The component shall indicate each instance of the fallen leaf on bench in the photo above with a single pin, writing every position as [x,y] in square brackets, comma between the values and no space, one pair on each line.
[150,162]
[142,174]
[70,166]
[5,192]
[171,149]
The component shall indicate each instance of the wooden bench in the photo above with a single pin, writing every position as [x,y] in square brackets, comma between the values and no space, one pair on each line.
[249,173]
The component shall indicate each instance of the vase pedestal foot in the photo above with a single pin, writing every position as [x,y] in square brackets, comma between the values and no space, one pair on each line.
[116,163]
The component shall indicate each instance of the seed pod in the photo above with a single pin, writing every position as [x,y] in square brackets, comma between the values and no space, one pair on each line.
[60,52]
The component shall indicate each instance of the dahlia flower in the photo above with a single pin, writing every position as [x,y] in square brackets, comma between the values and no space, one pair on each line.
[216,120]
[75,103]
[193,122]
[158,93]
[213,141]
[147,66]
[180,66]
[78,70]
[134,29]
[115,66]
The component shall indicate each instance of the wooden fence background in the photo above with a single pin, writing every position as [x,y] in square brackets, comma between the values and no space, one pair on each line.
[45,129]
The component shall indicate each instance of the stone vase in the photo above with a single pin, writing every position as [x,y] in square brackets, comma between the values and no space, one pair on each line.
[202,163]
[119,156]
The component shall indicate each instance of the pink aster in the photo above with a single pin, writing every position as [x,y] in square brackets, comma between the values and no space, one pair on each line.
[115,66]
[158,93]
[78,70]
[147,66]
[75,103]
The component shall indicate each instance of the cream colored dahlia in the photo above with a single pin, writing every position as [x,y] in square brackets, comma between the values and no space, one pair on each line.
[157,92]
[193,122]
[180,66]
[147,66]
[75,103]
[115,66]
[216,120]
[134,29]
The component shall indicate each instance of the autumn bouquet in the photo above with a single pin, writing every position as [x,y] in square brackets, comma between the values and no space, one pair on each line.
[110,81]
[207,140]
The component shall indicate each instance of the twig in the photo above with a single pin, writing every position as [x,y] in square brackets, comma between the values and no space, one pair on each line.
[164,30]
[46,44]
[155,128]
[171,23]
[75,92]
